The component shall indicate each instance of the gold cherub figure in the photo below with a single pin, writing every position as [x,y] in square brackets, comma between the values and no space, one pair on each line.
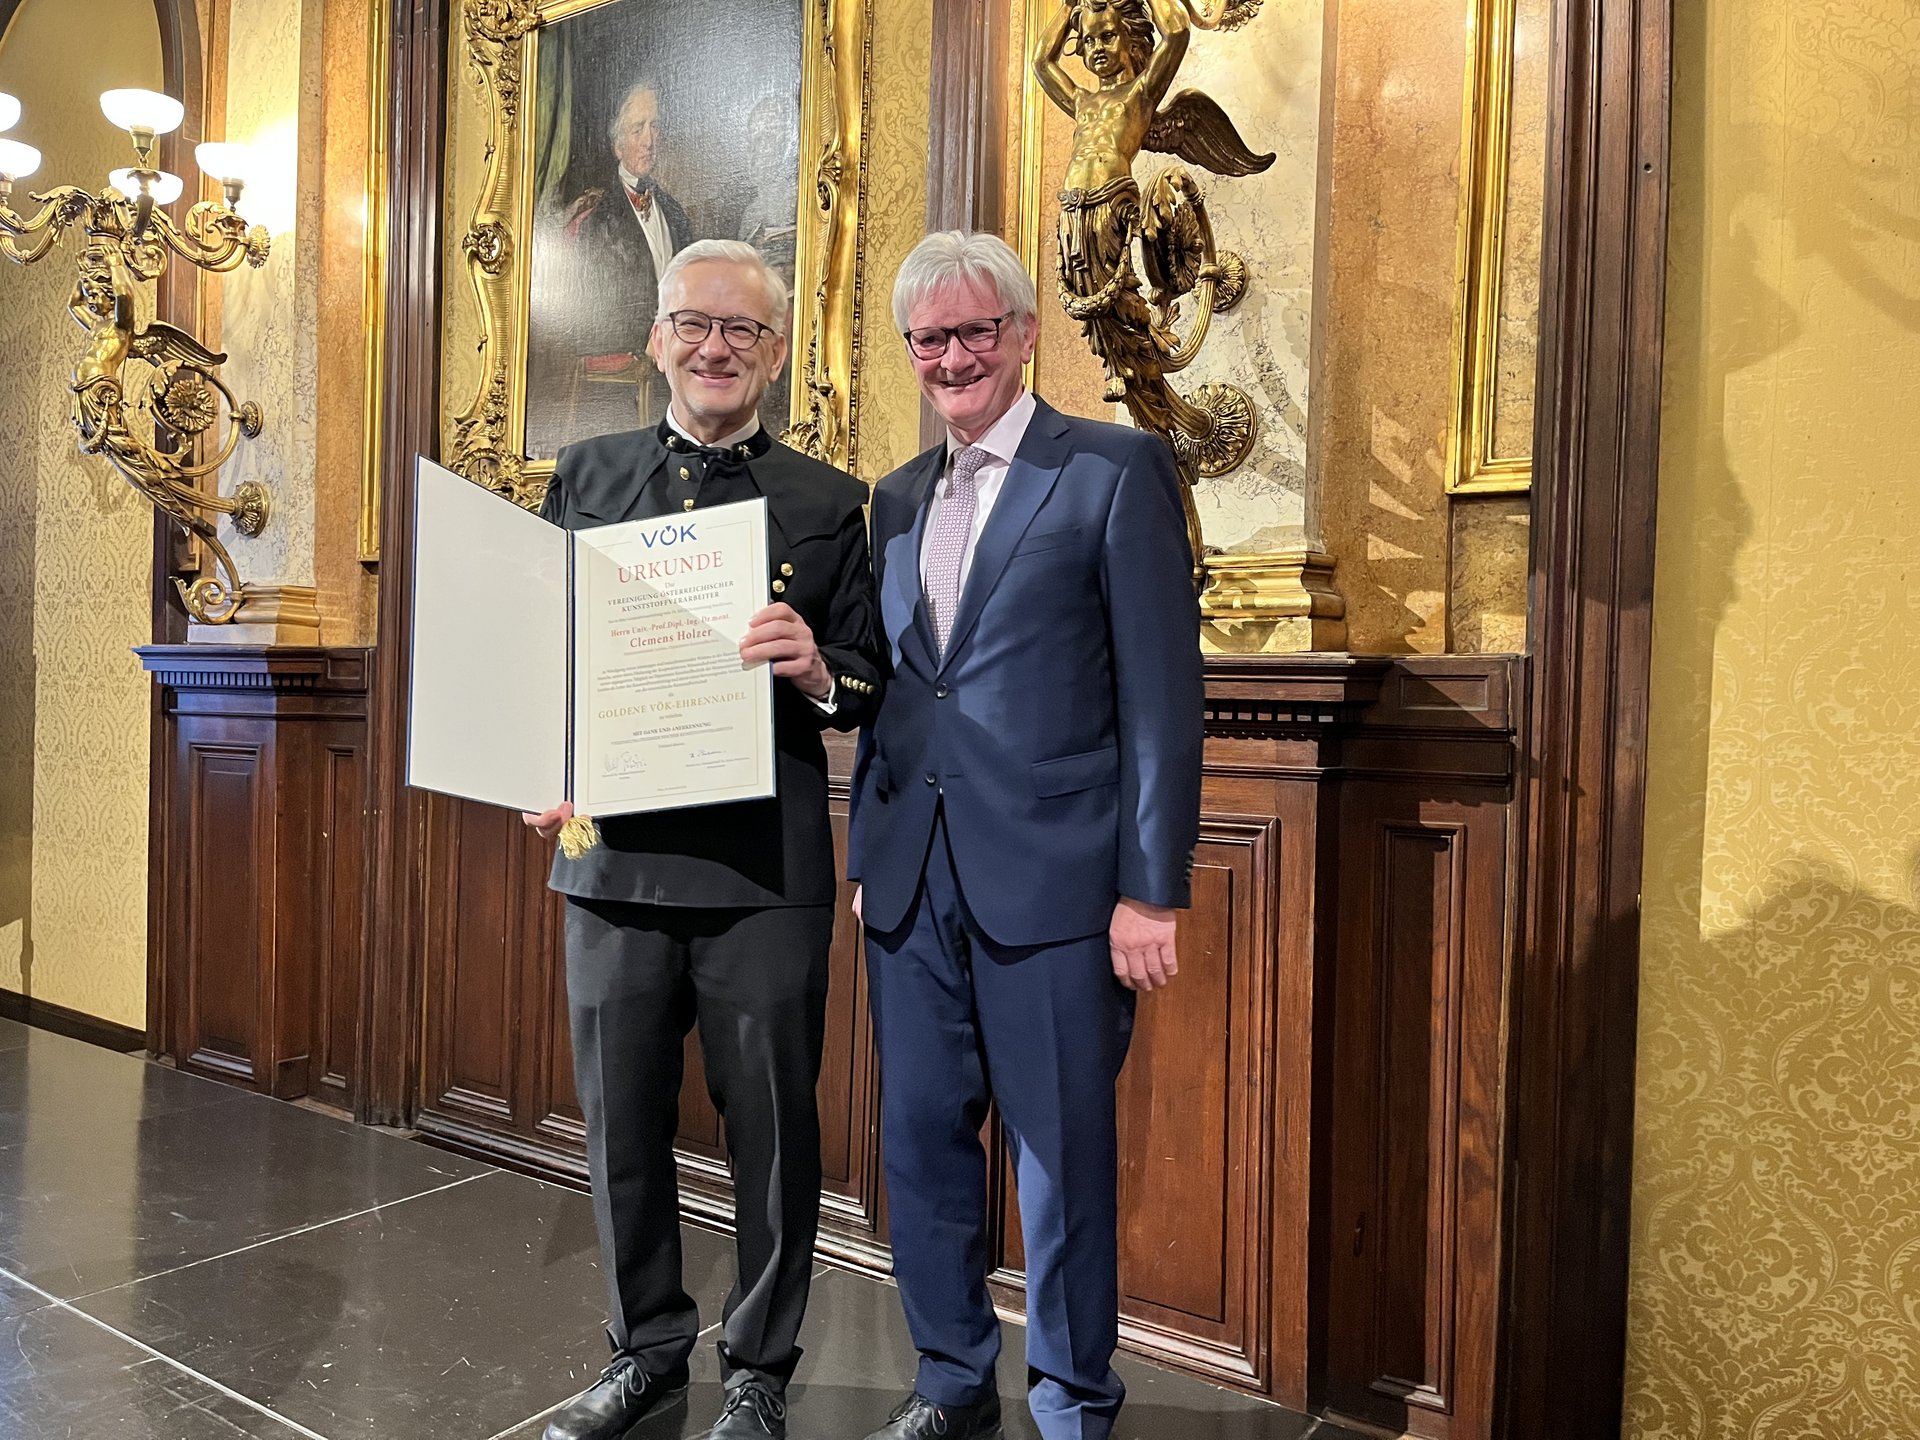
[1133,49]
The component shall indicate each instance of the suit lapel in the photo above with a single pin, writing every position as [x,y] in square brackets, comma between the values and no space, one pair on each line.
[902,601]
[1036,465]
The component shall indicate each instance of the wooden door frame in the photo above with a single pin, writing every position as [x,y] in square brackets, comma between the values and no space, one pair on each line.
[1574,985]
[1574,998]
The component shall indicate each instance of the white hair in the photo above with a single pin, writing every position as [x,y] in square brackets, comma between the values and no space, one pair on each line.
[733,252]
[620,110]
[955,257]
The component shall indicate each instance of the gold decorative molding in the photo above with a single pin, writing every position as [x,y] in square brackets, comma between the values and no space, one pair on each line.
[1472,467]
[832,239]
[1277,604]
[485,439]
[374,293]
[268,615]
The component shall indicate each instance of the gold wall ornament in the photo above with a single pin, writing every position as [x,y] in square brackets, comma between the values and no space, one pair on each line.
[1130,312]
[374,278]
[1273,604]
[484,437]
[1472,465]
[157,422]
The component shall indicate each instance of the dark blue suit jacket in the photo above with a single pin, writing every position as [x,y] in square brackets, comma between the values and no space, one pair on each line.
[1063,728]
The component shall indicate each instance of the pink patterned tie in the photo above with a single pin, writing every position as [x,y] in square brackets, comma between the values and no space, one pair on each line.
[947,545]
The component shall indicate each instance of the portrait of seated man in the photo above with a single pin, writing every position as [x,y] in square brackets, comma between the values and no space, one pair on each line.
[595,295]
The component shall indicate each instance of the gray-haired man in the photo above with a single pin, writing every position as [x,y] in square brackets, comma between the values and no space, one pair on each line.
[719,916]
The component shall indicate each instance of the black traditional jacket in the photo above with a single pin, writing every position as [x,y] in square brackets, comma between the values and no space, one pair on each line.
[753,852]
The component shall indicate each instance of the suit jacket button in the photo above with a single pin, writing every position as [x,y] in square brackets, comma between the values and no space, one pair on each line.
[939,692]
[786,569]
[779,587]
[932,779]
[686,504]
[685,473]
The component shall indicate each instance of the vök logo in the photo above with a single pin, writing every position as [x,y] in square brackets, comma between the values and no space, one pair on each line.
[672,535]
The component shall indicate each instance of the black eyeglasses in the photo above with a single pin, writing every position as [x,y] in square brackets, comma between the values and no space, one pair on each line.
[975,336]
[739,331]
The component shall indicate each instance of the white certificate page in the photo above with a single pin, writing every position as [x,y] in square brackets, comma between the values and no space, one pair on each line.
[487,702]
[665,712]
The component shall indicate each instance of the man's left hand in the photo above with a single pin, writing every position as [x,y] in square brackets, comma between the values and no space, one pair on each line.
[1141,939]
[778,635]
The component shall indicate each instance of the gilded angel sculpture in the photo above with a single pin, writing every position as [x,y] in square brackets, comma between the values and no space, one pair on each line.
[1133,49]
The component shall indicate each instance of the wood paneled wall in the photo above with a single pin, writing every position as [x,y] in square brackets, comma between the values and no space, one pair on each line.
[1309,1131]
[255,971]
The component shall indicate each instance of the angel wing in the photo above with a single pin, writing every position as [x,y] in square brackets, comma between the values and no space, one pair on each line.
[1197,130]
[160,343]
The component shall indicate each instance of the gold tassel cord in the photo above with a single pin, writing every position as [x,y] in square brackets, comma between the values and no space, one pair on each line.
[578,836]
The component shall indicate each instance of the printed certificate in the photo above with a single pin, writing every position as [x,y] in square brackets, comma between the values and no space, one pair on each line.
[665,714]
[599,666]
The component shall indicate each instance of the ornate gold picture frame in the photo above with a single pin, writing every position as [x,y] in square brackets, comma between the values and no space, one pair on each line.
[1474,465]
[496,43]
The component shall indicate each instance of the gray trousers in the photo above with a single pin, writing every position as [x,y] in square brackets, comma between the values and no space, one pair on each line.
[639,977]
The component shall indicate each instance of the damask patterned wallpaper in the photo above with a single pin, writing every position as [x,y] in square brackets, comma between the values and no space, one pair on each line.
[75,553]
[1776,1230]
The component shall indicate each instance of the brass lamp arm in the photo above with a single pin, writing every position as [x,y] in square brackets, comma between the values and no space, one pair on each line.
[58,210]
[216,238]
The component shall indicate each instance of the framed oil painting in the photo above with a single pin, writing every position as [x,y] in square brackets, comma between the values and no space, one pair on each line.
[618,132]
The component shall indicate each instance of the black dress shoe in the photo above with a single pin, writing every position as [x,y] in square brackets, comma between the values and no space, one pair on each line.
[756,1409]
[621,1398]
[918,1418]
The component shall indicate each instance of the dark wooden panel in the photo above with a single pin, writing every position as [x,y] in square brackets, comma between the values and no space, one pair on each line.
[222,1031]
[343,785]
[849,1095]
[1423,934]
[1196,1105]
[1178,1217]
[259,896]
[471,1054]
[556,1102]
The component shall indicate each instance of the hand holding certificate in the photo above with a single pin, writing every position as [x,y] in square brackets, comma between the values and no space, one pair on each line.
[603,666]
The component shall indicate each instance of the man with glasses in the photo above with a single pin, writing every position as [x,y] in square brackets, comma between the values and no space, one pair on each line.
[1026,804]
[719,916]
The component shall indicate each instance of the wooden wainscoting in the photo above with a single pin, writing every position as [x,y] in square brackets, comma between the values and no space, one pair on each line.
[497,1076]
[1309,1117]
[255,973]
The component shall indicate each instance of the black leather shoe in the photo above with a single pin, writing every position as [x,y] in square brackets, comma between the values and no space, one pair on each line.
[756,1409]
[621,1398]
[918,1418]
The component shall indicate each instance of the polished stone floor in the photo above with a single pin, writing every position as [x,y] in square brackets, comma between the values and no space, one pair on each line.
[180,1260]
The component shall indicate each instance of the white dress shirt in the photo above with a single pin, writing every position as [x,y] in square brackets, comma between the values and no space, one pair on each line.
[653,224]
[1000,442]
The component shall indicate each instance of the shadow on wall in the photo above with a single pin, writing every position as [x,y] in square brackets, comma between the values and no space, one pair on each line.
[1778,1293]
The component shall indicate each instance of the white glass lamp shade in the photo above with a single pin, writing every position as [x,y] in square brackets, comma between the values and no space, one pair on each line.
[9,112]
[18,161]
[229,164]
[166,188]
[143,110]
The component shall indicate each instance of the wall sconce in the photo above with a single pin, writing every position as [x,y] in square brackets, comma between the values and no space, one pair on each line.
[177,397]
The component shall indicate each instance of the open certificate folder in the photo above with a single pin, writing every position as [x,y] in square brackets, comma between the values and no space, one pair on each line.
[599,666]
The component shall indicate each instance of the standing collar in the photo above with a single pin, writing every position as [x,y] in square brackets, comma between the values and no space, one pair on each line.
[1002,440]
[746,433]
